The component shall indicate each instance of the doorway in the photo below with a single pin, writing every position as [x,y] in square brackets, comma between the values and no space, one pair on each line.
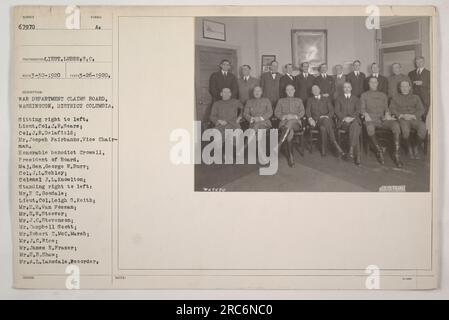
[207,60]
[405,55]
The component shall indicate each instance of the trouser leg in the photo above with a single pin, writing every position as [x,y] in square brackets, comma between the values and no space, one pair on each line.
[354,133]
[327,123]
[421,132]
[354,141]
[396,130]
[293,126]
[290,158]
[323,134]
[371,130]
[286,138]
[405,130]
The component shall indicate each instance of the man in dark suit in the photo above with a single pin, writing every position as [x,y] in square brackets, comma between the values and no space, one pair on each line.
[269,81]
[420,78]
[304,83]
[347,109]
[357,79]
[383,81]
[223,79]
[319,113]
[286,79]
[325,82]
[340,80]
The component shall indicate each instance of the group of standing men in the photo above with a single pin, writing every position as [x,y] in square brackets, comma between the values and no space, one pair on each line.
[398,103]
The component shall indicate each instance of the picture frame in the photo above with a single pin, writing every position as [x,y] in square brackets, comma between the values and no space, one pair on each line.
[266,62]
[309,45]
[214,30]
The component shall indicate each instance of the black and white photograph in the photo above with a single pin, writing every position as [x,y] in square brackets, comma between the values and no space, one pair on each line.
[225,151]
[335,106]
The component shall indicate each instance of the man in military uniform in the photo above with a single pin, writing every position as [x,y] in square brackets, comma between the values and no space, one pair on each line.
[246,84]
[408,108]
[290,111]
[225,112]
[319,113]
[377,115]
[258,111]
[347,109]
[395,79]
[325,82]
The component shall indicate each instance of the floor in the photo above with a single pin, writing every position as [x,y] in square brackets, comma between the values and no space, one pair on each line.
[313,173]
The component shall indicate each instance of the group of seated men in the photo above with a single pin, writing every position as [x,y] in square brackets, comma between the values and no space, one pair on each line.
[399,104]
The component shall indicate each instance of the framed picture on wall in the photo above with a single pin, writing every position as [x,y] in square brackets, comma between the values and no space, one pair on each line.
[310,46]
[266,62]
[214,30]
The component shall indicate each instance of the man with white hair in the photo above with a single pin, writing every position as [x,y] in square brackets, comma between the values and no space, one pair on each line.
[319,114]
[347,109]
[226,112]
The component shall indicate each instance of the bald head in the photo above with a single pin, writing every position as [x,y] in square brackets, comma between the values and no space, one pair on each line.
[373,84]
[405,87]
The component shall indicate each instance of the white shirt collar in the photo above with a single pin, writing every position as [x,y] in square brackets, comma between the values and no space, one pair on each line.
[348,95]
